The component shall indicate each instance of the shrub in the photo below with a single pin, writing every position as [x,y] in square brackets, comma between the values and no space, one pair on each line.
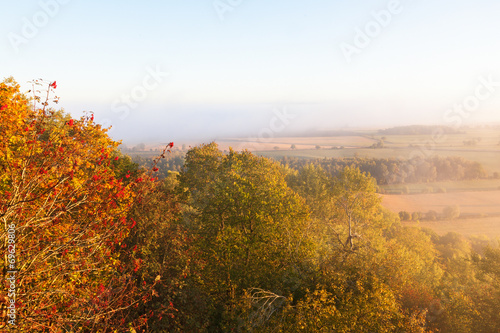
[431,215]
[416,216]
[404,216]
[451,212]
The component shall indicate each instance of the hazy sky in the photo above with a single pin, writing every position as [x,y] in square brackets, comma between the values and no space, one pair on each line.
[174,70]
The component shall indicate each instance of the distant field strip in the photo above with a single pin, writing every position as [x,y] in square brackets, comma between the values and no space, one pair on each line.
[444,186]
[487,226]
[470,202]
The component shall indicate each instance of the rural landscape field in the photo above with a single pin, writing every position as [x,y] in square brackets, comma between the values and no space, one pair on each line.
[478,200]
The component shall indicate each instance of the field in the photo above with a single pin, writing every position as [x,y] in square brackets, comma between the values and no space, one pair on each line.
[479,210]
[477,144]
[301,143]
[486,226]
[471,203]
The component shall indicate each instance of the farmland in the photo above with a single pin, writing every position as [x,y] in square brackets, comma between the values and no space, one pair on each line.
[478,199]
[471,203]
[479,211]
[475,144]
[488,227]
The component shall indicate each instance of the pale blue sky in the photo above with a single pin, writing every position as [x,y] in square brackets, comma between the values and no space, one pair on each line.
[227,71]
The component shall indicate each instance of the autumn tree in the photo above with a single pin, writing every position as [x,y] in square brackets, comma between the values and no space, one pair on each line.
[314,185]
[63,212]
[356,207]
[159,256]
[251,227]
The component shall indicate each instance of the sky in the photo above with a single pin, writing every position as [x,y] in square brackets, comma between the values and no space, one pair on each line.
[206,69]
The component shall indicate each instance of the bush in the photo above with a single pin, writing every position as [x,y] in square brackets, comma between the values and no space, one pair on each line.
[416,216]
[431,215]
[404,216]
[451,212]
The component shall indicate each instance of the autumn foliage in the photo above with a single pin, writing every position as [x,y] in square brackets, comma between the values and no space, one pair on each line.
[59,189]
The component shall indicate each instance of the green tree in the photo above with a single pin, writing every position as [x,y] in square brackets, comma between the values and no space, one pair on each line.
[356,205]
[314,185]
[250,226]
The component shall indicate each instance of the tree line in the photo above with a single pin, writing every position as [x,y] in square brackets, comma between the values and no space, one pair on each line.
[420,130]
[399,171]
[385,170]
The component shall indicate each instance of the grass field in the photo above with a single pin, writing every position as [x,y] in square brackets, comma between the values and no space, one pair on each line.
[470,202]
[480,211]
[305,143]
[487,226]
[485,148]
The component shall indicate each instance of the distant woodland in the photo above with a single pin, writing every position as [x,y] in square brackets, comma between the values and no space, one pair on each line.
[385,171]
[420,130]
[399,171]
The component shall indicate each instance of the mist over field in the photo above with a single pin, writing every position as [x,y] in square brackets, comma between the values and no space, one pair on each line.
[218,69]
